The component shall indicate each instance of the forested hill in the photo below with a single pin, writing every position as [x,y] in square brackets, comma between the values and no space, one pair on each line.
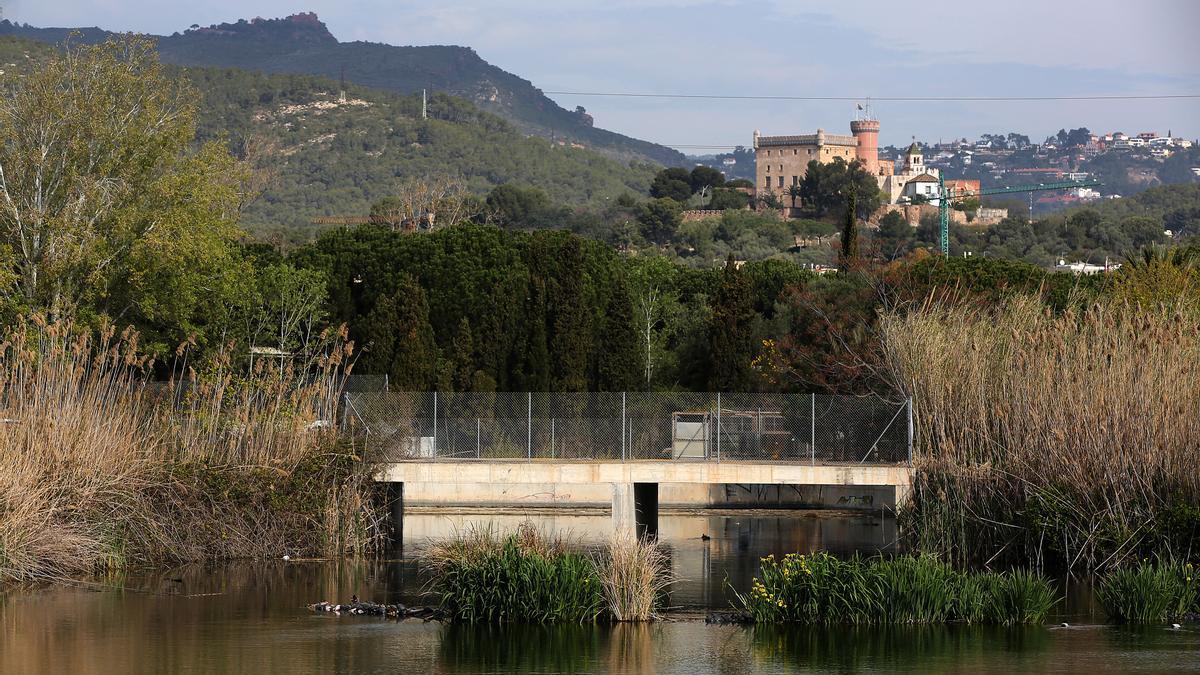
[301,44]
[323,156]
[317,155]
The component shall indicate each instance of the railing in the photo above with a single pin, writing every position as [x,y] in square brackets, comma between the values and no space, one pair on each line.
[631,426]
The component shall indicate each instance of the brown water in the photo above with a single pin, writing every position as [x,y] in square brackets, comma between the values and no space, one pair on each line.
[251,618]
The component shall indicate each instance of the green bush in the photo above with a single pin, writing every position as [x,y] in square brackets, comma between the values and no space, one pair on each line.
[515,583]
[820,588]
[1150,592]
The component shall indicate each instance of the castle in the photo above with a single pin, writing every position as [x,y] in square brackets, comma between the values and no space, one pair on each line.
[782,161]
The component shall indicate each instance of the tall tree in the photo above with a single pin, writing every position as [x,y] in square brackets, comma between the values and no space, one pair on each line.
[571,338]
[849,254]
[463,351]
[104,205]
[618,362]
[730,338]
[400,339]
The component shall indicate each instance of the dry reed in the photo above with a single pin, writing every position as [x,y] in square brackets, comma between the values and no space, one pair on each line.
[96,474]
[635,574]
[1049,436]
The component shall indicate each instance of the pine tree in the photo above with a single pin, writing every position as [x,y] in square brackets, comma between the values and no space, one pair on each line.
[730,341]
[849,254]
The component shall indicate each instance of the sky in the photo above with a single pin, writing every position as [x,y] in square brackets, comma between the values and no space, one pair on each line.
[774,48]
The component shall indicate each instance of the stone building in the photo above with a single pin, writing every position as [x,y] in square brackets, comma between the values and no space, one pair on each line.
[782,161]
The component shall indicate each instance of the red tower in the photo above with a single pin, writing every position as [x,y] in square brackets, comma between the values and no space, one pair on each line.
[867,133]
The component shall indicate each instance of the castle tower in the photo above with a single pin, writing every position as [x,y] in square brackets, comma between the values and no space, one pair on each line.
[867,133]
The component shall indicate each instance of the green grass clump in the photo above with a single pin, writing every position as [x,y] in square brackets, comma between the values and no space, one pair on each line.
[515,583]
[820,588]
[1150,592]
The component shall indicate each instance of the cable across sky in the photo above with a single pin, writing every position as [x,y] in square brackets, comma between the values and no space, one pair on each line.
[898,99]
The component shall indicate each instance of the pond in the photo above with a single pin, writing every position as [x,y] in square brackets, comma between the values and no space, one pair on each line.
[251,617]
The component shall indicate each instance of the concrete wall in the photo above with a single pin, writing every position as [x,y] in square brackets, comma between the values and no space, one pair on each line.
[670,495]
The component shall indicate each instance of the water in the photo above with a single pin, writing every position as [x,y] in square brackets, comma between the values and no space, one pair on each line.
[251,618]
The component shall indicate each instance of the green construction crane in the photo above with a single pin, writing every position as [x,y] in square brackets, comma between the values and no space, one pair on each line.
[945,199]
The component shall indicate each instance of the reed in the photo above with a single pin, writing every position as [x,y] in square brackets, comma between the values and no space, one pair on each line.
[1147,592]
[1066,439]
[822,589]
[635,574]
[97,472]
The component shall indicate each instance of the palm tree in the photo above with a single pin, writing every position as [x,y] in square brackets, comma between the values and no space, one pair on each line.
[795,193]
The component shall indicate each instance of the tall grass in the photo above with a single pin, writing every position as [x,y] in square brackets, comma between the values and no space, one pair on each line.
[1150,592]
[635,574]
[531,576]
[96,473]
[1062,439]
[822,589]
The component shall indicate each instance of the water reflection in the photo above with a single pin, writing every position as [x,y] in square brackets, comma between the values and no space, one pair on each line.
[251,618]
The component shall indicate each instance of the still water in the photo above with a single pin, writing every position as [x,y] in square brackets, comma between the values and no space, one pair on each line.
[251,618]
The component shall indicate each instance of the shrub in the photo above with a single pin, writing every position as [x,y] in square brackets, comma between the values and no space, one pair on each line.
[524,576]
[1150,592]
[820,588]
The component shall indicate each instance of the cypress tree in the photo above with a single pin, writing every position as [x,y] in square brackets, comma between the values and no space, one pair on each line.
[411,357]
[570,338]
[849,255]
[730,341]
[533,367]
[619,359]
[463,354]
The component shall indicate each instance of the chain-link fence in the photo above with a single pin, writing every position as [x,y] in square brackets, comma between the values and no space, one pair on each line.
[796,428]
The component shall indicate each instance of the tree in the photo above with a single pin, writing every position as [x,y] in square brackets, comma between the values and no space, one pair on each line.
[400,341]
[103,206]
[656,310]
[827,187]
[705,177]
[510,205]
[286,308]
[893,235]
[618,363]
[795,192]
[723,199]
[660,219]
[463,350]
[673,184]
[730,340]
[848,257]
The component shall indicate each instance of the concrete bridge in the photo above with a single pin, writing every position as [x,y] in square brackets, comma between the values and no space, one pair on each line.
[634,485]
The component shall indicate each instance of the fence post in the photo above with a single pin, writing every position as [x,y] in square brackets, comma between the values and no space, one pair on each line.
[476,438]
[910,430]
[529,429]
[345,408]
[812,446]
[622,426]
[718,426]
[435,448]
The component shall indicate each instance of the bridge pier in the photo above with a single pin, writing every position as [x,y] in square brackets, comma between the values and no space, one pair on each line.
[635,510]
[395,510]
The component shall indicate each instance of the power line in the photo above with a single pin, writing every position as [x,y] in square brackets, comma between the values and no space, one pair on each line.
[894,99]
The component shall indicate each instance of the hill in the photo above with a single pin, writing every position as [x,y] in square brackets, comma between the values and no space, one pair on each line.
[301,44]
[321,155]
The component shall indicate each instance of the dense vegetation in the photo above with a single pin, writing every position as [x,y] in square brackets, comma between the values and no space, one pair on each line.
[820,588]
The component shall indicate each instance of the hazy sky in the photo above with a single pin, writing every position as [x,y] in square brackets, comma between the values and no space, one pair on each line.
[769,47]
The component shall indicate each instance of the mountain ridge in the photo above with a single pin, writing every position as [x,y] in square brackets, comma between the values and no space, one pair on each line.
[301,44]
